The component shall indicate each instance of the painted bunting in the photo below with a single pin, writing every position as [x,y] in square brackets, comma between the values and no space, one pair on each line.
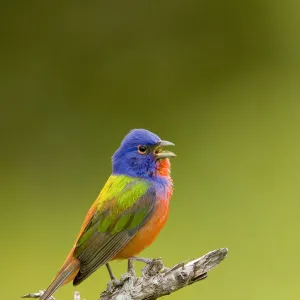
[129,212]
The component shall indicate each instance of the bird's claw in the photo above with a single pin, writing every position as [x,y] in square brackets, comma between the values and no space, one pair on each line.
[143,259]
[114,283]
[153,267]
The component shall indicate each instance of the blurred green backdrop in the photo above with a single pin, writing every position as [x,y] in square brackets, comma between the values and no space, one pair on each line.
[218,78]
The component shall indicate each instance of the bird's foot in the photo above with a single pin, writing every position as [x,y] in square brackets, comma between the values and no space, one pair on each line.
[153,265]
[113,284]
[143,259]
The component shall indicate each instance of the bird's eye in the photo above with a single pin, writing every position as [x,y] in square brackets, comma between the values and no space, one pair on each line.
[142,149]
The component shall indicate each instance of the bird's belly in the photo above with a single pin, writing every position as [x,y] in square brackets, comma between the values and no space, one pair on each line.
[147,234]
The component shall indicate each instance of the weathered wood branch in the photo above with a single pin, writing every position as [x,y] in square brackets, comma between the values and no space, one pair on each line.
[156,280]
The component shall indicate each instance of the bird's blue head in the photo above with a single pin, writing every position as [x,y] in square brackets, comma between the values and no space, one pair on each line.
[141,154]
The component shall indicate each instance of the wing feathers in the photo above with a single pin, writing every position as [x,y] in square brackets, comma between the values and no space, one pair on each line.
[101,256]
[113,225]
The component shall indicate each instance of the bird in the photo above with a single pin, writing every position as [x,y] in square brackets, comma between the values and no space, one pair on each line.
[129,212]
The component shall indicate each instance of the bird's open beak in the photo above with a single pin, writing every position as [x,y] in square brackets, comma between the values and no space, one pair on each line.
[160,153]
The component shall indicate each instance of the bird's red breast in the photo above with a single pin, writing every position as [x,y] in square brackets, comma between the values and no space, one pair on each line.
[147,234]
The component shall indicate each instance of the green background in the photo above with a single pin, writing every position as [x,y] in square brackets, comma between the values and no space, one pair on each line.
[218,78]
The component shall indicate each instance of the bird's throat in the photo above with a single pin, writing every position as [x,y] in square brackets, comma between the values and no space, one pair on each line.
[163,168]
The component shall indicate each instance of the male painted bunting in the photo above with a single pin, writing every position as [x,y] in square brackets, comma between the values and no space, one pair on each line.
[129,212]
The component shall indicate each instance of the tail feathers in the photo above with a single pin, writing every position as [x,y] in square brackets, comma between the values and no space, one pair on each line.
[66,274]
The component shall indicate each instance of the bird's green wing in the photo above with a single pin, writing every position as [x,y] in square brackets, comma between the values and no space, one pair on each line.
[123,206]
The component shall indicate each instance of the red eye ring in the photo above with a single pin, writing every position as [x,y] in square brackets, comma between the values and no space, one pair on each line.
[142,149]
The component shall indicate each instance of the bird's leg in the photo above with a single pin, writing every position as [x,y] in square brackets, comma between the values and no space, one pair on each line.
[113,281]
[130,268]
[111,274]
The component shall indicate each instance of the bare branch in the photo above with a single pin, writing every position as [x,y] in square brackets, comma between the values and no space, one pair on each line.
[156,280]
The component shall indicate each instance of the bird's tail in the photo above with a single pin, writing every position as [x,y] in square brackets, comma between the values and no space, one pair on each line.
[67,273]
